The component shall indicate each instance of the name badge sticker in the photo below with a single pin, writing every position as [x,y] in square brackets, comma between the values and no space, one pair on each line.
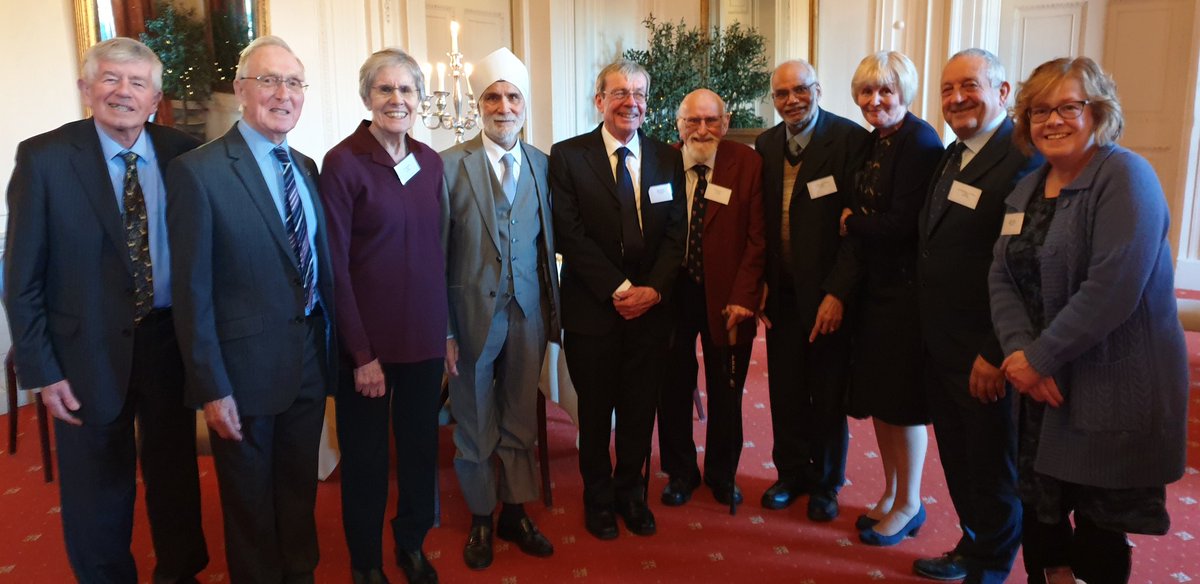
[407,168]
[1012,224]
[822,187]
[718,193]
[660,193]
[965,195]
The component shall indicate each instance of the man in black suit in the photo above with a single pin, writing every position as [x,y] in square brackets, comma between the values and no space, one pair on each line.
[618,218]
[809,162]
[88,292]
[972,413]
[253,303]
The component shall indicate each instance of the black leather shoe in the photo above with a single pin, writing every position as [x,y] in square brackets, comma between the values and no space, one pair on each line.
[637,516]
[724,492]
[416,567]
[823,506]
[678,491]
[527,537]
[948,566]
[601,522]
[372,576]
[781,494]
[477,554]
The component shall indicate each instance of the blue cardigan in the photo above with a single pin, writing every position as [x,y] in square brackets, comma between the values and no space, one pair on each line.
[1112,341]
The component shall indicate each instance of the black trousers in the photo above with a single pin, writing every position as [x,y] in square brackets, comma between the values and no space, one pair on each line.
[621,372]
[411,406]
[723,437]
[98,471]
[806,383]
[978,446]
[268,481]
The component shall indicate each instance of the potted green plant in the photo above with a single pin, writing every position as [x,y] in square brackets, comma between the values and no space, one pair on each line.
[181,43]
[731,62]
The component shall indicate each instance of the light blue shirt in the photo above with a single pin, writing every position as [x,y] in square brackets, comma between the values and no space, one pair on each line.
[272,172]
[153,191]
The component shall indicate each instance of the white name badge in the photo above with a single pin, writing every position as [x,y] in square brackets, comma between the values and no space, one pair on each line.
[821,187]
[407,169]
[965,195]
[660,193]
[1012,224]
[718,194]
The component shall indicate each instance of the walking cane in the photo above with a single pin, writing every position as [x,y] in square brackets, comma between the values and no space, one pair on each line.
[735,411]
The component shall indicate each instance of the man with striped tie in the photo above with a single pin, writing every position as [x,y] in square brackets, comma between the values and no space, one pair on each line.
[254,310]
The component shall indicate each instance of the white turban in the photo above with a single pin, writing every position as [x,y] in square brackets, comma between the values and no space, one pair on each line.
[500,65]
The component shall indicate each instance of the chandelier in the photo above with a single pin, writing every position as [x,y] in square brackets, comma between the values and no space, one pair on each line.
[455,109]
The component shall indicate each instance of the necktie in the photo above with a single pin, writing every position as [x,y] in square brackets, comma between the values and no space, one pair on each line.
[793,150]
[137,240]
[631,230]
[508,183]
[695,252]
[939,198]
[296,225]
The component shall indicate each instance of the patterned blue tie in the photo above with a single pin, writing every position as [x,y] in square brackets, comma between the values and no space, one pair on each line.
[695,248]
[296,225]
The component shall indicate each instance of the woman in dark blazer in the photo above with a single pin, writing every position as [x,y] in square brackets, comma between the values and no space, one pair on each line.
[886,366]
[383,196]
[1083,299]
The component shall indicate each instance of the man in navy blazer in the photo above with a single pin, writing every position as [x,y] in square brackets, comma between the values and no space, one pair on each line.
[254,308]
[971,410]
[809,162]
[88,292]
[618,221]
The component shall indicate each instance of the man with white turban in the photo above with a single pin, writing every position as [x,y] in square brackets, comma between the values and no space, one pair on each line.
[503,290]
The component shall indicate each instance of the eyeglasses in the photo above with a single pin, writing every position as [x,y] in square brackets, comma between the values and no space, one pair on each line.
[694,123]
[272,81]
[1066,111]
[622,94]
[801,91]
[405,91]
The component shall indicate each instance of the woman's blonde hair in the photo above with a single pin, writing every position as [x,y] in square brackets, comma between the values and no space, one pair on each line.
[1099,90]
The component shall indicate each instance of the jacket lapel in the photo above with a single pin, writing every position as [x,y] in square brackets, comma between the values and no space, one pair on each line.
[724,171]
[479,174]
[92,171]
[597,158]
[246,169]
[815,158]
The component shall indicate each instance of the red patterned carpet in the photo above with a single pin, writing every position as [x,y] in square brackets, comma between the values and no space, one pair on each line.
[699,542]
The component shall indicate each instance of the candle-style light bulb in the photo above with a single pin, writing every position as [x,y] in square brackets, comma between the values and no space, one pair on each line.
[427,71]
[453,36]
[468,68]
[441,69]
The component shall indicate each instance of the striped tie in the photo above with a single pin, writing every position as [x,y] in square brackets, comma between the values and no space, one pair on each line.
[296,225]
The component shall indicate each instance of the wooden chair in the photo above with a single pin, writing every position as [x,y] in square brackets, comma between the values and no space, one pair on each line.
[43,418]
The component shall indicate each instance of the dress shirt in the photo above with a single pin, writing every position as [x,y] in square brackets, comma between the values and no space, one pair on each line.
[611,144]
[495,152]
[272,173]
[154,193]
[976,143]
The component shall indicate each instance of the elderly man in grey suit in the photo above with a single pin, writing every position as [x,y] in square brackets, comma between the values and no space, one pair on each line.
[254,309]
[503,289]
[88,292]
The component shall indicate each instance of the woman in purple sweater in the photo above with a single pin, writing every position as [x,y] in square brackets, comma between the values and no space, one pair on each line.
[1083,301]
[383,200]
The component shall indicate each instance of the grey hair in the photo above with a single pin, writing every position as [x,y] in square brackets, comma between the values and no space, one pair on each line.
[720,102]
[258,43]
[121,50]
[382,59]
[890,68]
[995,69]
[624,67]
[796,63]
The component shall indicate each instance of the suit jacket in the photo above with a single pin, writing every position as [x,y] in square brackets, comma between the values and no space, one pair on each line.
[733,243]
[887,231]
[472,275]
[823,262]
[239,298]
[956,254]
[68,277]
[587,224]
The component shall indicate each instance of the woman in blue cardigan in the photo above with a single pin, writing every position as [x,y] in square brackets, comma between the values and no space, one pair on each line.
[1083,302]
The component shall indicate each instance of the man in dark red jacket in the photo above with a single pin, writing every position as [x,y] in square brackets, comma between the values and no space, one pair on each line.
[717,289]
